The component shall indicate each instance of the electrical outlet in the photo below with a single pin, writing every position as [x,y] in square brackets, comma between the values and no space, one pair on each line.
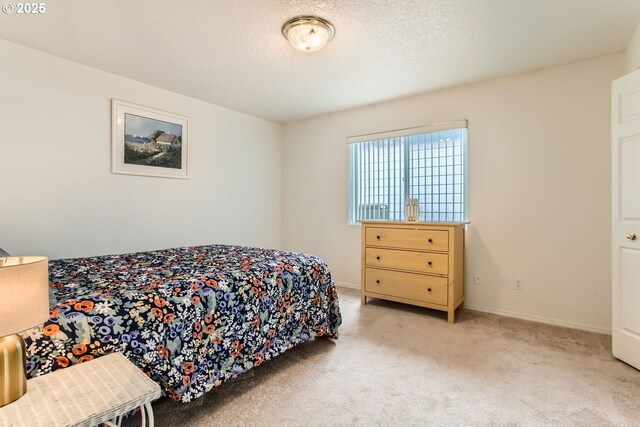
[477,279]
[518,285]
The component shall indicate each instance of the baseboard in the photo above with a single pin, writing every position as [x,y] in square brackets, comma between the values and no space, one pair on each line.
[347,285]
[506,313]
[539,319]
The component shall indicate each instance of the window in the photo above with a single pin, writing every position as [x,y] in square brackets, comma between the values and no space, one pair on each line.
[427,163]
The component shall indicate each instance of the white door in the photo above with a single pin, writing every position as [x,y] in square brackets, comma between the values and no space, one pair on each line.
[625,218]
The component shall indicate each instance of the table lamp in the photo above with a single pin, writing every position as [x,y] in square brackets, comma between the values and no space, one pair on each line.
[24,303]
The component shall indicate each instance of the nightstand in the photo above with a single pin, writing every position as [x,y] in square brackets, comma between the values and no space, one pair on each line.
[87,394]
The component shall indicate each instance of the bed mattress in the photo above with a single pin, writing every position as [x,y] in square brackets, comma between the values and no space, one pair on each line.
[191,318]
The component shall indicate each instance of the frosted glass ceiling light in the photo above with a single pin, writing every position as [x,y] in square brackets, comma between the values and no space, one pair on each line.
[308,33]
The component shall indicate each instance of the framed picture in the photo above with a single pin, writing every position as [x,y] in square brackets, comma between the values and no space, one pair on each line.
[149,142]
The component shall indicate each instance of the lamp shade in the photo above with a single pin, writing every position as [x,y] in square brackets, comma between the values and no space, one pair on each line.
[24,293]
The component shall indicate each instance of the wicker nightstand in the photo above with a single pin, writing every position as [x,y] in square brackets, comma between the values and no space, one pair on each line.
[87,394]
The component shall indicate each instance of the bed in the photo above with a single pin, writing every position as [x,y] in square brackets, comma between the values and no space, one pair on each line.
[190,318]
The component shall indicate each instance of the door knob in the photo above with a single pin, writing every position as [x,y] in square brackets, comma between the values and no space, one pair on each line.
[632,236]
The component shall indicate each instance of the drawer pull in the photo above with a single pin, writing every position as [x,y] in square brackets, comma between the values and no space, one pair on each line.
[632,236]
[378,258]
[378,237]
[430,263]
[430,240]
[378,281]
[429,290]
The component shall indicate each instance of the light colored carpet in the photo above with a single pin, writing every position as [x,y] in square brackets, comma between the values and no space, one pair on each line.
[396,365]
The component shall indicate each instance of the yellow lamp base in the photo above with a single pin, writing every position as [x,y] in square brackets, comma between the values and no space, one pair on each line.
[13,368]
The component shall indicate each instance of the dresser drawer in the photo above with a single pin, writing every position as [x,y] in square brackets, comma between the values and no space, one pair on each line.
[423,262]
[433,240]
[418,287]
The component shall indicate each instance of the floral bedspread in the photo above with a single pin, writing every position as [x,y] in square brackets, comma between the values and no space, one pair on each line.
[190,318]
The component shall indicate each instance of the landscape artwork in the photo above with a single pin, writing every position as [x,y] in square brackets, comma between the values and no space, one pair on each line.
[152,142]
[148,142]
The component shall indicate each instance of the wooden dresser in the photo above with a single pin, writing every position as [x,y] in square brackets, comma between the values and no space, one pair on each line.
[419,263]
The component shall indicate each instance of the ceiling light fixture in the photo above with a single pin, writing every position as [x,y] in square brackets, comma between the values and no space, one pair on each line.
[308,33]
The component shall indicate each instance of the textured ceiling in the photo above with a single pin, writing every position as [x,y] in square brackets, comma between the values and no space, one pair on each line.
[231,53]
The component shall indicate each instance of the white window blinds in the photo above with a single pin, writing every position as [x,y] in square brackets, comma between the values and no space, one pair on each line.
[426,163]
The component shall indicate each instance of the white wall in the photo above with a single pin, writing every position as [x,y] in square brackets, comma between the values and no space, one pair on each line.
[539,188]
[632,54]
[58,197]
[539,167]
